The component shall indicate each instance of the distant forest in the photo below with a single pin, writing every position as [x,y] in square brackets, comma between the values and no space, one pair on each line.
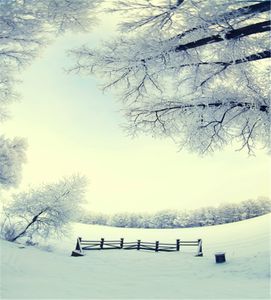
[207,216]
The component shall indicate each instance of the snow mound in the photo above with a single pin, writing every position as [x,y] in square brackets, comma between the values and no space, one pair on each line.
[30,273]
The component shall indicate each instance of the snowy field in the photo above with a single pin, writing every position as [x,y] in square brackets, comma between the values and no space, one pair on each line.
[31,273]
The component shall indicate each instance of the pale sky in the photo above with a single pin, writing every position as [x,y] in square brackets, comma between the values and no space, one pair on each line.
[72,127]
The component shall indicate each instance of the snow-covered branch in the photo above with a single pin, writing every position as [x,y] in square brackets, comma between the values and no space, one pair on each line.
[27,26]
[197,53]
[12,157]
[204,125]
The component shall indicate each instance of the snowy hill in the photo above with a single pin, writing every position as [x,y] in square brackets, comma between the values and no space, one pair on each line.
[30,273]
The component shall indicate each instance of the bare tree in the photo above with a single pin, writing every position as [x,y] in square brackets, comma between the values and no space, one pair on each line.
[43,211]
[194,70]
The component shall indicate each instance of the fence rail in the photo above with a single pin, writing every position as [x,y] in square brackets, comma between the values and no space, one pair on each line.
[138,245]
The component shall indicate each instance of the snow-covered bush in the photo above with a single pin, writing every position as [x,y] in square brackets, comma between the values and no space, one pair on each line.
[7,228]
[43,211]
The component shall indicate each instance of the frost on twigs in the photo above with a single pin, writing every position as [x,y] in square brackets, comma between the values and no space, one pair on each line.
[27,26]
[12,157]
[197,71]
[44,211]
[206,123]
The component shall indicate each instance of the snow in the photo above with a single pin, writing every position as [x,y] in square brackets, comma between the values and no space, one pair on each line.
[31,273]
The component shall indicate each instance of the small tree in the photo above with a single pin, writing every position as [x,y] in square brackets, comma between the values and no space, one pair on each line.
[44,211]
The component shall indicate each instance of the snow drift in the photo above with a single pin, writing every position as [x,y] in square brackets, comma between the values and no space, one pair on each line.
[30,273]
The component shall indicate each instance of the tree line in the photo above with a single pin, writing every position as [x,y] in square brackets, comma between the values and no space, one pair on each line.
[206,216]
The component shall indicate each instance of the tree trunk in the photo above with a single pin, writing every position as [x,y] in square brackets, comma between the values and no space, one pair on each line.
[22,233]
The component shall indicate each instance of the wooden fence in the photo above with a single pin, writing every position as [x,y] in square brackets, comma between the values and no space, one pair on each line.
[103,244]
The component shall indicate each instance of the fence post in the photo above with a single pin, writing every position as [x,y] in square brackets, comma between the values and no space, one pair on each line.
[200,253]
[156,246]
[121,243]
[102,243]
[78,249]
[78,244]
[138,244]
[177,245]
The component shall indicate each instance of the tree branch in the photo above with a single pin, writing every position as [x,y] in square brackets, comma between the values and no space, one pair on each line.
[264,6]
[217,104]
[35,218]
[232,34]
[253,57]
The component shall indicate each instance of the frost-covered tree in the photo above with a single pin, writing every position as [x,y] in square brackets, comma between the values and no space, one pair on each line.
[12,156]
[43,211]
[182,220]
[27,26]
[204,216]
[194,70]
[230,212]
[120,220]
[164,219]
[92,218]
[253,208]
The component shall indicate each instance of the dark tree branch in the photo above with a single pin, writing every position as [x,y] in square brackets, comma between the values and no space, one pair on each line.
[217,128]
[179,2]
[232,34]
[253,57]
[218,104]
[244,11]
[246,136]
[35,218]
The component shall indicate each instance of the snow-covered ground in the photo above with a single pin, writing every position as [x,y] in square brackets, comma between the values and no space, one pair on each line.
[30,273]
